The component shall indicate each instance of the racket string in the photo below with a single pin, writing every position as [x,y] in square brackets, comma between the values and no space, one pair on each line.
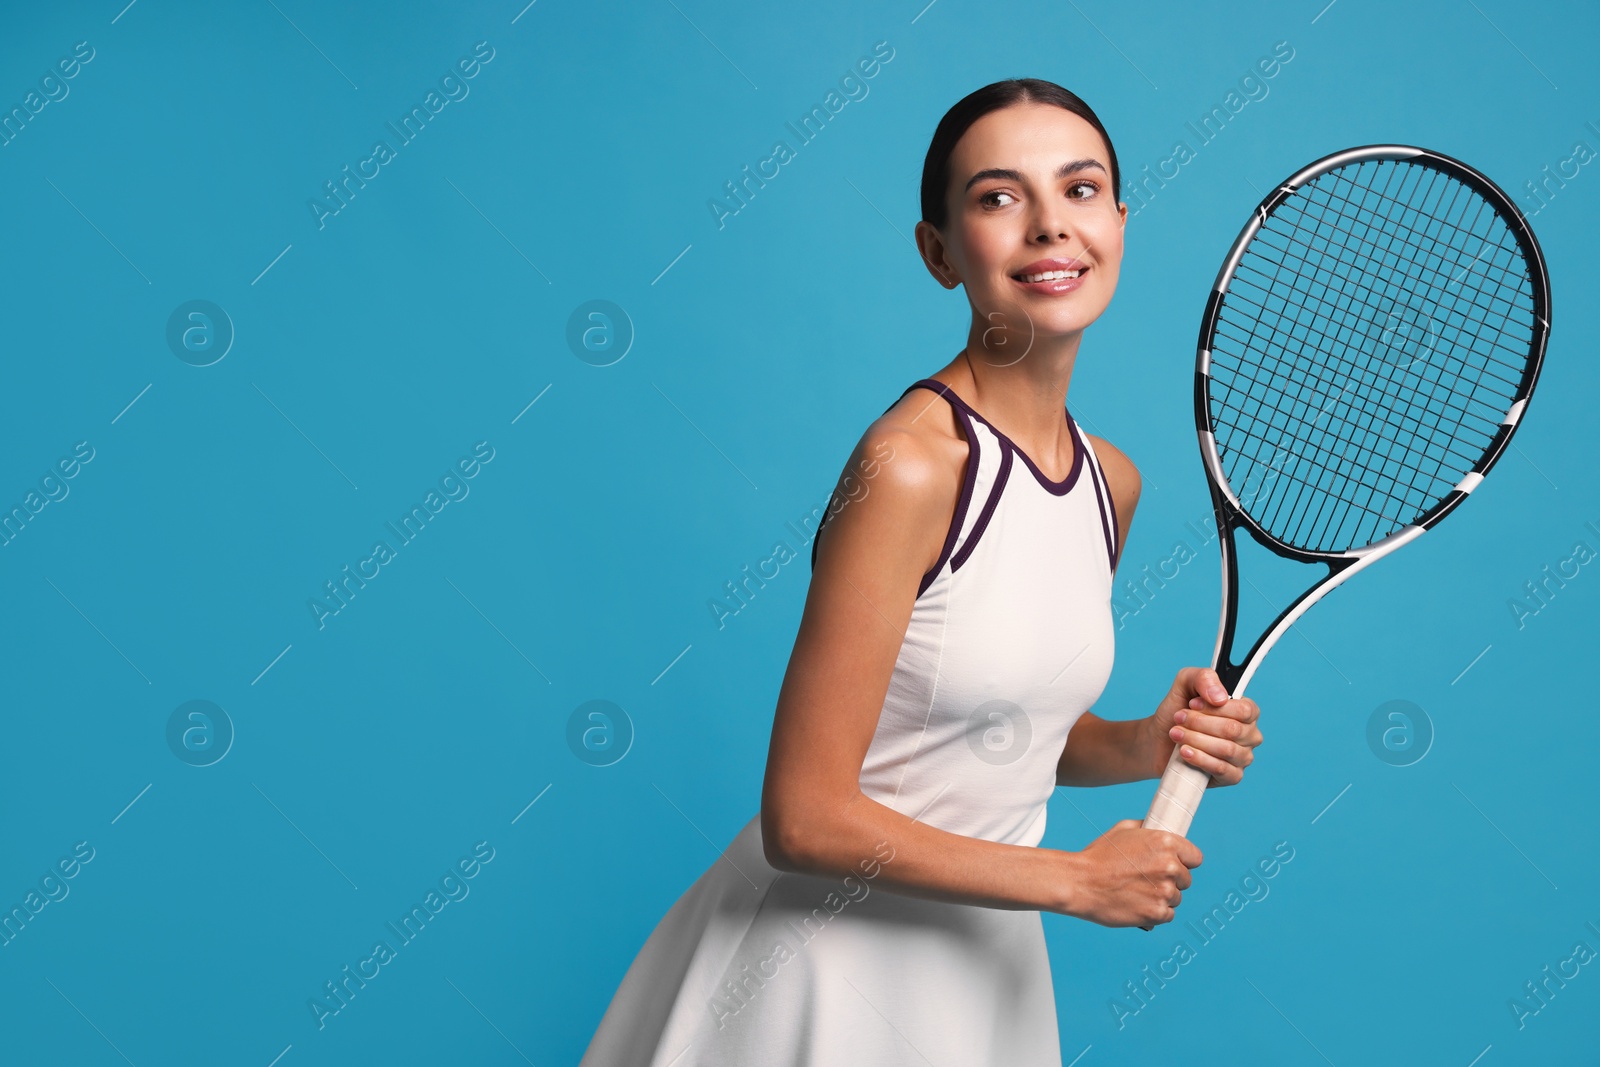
[1438,415]
[1338,315]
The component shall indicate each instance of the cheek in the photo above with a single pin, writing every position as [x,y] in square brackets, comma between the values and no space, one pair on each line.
[1108,246]
[984,246]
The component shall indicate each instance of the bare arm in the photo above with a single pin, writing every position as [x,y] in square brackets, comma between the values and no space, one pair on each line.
[814,817]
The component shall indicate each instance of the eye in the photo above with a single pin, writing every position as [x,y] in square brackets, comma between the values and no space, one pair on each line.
[984,199]
[1091,186]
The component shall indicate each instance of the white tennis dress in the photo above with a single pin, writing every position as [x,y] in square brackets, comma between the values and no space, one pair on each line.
[1010,640]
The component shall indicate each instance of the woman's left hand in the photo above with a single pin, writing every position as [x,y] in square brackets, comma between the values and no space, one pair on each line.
[1218,734]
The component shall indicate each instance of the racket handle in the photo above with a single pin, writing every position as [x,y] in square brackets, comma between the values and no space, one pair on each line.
[1182,786]
[1178,796]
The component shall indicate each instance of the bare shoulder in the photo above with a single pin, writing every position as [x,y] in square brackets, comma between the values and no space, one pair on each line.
[1122,479]
[1121,474]
[909,463]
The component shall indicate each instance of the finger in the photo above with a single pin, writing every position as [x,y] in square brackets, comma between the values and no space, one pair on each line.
[1210,686]
[1224,722]
[1221,771]
[1199,681]
[1212,722]
[1220,747]
[1244,709]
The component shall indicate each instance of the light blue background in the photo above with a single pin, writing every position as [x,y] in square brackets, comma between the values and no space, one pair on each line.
[429,314]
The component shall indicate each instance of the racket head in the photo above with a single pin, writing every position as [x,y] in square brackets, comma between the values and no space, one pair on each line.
[1367,350]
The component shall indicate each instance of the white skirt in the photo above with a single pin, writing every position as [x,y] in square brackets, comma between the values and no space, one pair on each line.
[754,966]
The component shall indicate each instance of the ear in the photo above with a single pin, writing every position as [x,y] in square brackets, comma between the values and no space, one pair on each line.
[1122,209]
[932,247]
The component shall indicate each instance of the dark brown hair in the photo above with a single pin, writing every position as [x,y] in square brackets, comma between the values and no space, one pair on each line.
[975,105]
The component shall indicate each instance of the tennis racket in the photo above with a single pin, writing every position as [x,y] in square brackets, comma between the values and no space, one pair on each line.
[1367,351]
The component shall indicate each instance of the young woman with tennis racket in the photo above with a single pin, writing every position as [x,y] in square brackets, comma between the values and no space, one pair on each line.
[884,905]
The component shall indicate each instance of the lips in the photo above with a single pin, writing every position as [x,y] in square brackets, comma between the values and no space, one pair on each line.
[1051,286]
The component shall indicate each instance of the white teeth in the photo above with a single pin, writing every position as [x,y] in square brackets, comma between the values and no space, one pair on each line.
[1053,275]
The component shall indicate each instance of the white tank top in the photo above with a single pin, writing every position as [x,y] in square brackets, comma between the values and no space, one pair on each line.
[1010,641]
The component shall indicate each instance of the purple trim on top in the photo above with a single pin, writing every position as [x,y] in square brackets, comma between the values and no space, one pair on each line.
[983,516]
[1097,476]
[968,480]
[1116,527]
[820,525]
[1060,488]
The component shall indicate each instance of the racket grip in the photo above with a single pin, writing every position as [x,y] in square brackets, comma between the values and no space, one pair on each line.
[1182,786]
[1178,796]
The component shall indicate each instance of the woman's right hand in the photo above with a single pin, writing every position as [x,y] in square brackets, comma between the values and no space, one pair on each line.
[1129,876]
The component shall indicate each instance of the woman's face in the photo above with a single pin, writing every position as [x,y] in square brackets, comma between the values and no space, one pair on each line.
[1031,183]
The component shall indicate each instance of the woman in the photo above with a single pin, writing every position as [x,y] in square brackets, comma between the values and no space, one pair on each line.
[883,907]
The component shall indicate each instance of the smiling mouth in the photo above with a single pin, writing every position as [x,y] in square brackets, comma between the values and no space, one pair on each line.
[1050,275]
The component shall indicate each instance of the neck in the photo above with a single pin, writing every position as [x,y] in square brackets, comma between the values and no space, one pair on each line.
[1019,382]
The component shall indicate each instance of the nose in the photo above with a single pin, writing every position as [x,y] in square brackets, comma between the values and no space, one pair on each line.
[1050,223]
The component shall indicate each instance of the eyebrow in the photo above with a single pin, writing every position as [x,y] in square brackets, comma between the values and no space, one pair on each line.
[1072,166]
